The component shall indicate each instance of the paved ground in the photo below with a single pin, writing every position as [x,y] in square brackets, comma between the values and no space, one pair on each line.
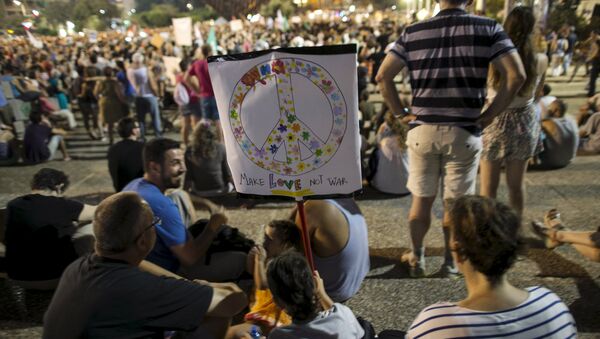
[388,297]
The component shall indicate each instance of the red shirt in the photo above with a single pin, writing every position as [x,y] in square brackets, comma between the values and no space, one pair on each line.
[200,70]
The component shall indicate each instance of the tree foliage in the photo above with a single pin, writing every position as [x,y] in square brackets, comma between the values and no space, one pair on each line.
[87,13]
[271,8]
[235,8]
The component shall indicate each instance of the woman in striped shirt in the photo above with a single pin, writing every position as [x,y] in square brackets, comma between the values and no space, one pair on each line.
[485,242]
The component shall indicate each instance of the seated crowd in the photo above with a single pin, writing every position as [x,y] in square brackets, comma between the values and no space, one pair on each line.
[166,285]
[142,264]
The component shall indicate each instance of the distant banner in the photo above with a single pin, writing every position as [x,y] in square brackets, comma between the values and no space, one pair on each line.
[34,42]
[171,67]
[290,120]
[182,27]
[236,25]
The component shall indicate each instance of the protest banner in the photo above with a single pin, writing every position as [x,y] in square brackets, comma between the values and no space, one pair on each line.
[182,28]
[290,122]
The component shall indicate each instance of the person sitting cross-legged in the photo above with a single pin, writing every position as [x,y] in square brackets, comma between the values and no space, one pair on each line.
[177,250]
[484,239]
[106,294]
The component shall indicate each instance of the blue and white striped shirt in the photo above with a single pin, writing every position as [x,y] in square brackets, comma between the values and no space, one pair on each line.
[448,58]
[543,314]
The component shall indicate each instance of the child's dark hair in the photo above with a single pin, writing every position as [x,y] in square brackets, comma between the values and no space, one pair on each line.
[288,233]
[291,283]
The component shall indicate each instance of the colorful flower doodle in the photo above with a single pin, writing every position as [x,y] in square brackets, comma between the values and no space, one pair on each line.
[290,130]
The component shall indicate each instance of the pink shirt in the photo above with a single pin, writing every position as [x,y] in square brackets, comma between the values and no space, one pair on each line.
[200,70]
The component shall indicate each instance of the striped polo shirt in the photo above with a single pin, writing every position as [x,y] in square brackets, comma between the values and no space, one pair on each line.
[448,58]
[541,315]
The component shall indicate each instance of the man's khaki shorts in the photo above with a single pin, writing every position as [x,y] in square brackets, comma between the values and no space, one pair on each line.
[449,153]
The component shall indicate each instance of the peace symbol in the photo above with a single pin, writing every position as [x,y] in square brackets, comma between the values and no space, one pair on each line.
[289,132]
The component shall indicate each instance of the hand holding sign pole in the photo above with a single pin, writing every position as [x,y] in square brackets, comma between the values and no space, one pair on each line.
[290,121]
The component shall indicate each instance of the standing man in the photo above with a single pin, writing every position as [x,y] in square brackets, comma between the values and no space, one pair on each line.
[448,57]
[125,157]
[164,168]
[203,87]
[594,60]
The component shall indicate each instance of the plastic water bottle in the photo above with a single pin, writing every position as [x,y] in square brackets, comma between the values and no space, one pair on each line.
[255,332]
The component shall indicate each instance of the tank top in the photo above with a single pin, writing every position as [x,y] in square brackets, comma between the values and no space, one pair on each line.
[344,272]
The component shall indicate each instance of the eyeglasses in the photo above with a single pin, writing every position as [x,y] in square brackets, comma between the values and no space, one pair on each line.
[155,221]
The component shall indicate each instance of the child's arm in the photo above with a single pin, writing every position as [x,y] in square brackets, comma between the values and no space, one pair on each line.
[260,271]
[324,299]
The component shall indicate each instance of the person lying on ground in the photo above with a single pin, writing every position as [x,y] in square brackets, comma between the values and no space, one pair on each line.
[554,233]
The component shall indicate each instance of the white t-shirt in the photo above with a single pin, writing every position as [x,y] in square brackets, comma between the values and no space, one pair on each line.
[337,322]
[543,314]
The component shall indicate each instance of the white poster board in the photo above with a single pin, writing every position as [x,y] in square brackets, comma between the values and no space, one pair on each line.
[171,67]
[290,120]
[182,27]
[236,25]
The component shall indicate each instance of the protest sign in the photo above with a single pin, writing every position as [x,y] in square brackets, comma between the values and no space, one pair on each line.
[290,120]
[182,27]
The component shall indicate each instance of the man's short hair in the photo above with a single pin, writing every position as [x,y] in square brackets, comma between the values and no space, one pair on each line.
[154,151]
[49,179]
[125,127]
[562,107]
[546,89]
[118,220]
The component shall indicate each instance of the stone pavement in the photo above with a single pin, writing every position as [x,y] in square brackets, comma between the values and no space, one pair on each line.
[388,297]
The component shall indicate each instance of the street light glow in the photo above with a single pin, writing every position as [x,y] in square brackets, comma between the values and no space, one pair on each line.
[189,6]
[35,12]
[17,2]
[102,11]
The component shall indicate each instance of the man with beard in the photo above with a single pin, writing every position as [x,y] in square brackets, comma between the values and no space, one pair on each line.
[164,167]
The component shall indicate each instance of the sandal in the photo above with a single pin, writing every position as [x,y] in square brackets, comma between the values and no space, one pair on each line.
[547,234]
[416,268]
[552,219]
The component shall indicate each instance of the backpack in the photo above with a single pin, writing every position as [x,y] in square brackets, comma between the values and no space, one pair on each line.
[180,95]
[227,239]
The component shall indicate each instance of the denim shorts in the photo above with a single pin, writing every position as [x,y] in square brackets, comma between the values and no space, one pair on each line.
[209,108]
[194,108]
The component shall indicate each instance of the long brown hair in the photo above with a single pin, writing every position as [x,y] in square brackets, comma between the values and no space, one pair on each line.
[204,140]
[519,26]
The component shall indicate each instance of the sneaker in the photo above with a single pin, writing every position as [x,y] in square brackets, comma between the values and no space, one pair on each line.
[450,271]
[416,268]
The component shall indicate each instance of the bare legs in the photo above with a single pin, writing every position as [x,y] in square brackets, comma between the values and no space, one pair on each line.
[515,173]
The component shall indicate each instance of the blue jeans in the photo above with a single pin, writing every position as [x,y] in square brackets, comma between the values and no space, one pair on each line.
[145,105]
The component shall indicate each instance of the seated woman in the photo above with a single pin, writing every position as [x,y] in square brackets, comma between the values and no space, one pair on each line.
[208,173]
[554,233]
[485,241]
[297,291]
[391,172]
[42,140]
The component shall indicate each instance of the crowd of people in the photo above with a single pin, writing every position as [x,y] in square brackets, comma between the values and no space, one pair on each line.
[142,264]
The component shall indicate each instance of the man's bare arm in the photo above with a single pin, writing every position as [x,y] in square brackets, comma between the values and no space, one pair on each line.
[391,66]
